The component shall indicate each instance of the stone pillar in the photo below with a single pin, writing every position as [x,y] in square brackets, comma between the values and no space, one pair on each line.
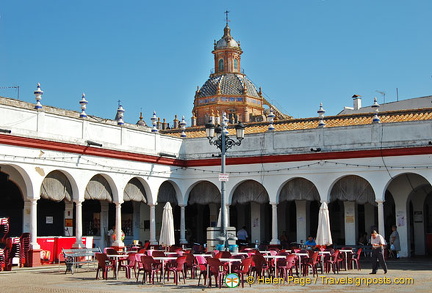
[350,222]
[381,229]
[34,252]
[78,225]
[182,225]
[33,224]
[118,227]
[301,206]
[153,240]
[227,214]
[275,239]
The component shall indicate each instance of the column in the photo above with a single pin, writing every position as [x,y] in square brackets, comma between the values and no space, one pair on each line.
[34,252]
[78,225]
[153,240]
[381,217]
[118,227]
[227,214]
[275,239]
[33,225]
[182,225]
[350,222]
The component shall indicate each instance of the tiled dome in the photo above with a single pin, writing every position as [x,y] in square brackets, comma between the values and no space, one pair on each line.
[228,84]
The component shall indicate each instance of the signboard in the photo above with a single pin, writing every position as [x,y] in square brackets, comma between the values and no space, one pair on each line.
[223,177]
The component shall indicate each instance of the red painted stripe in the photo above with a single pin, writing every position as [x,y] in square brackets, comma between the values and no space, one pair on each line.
[106,153]
[88,150]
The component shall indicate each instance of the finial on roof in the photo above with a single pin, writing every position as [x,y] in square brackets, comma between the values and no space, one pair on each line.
[120,114]
[38,96]
[183,127]
[226,17]
[141,122]
[270,118]
[321,113]
[83,102]
[376,106]
[154,120]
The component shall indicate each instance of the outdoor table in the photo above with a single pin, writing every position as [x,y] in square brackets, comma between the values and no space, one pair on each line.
[239,253]
[346,251]
[274,257]
[230,261]
[300,255]
[118,258]
[163,259]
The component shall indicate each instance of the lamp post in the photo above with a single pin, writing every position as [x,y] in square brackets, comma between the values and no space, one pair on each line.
[223,142]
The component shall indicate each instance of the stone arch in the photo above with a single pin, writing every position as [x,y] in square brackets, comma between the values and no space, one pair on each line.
[249,191]
[11,204]
[203,193]
[56,186]
[202,210]
[411,211]
[299,189]
[135,191]
[352,188]
[98,188]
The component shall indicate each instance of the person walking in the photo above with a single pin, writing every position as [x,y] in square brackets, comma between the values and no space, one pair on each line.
[378,244]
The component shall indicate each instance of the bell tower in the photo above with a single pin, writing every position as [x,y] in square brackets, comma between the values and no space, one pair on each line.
[227,90]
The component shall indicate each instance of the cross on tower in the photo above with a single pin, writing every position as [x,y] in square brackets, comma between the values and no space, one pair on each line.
[226,18]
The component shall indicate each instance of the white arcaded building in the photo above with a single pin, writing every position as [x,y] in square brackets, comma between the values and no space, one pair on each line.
[66,175]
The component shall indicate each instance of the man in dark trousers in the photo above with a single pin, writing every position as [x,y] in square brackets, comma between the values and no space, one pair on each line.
[378,244]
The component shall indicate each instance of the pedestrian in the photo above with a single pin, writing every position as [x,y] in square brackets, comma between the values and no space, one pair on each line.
[242,235]
[378,244]
[395,242]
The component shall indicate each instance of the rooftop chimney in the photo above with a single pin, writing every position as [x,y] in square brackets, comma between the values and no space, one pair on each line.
[356,102]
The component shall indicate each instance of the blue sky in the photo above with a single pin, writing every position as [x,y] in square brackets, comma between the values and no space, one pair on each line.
[152,55]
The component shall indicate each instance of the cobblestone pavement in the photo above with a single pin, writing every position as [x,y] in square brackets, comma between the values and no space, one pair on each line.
[403,275]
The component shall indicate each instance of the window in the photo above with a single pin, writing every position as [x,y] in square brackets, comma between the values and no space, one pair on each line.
[221,64]
[235,63]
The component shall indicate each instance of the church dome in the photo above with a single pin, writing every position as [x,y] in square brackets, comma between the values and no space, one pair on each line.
[228,84]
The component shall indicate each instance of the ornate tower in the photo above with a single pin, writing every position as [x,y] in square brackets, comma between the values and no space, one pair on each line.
[228,89]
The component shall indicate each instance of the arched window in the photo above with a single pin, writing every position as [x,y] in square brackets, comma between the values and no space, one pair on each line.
[221,64]
[235,63]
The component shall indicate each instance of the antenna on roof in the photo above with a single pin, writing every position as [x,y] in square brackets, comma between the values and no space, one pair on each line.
[383,94]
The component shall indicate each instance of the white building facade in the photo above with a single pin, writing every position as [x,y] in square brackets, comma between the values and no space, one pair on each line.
[88,174]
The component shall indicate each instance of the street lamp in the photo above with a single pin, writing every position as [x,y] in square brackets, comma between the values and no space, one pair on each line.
[223,142]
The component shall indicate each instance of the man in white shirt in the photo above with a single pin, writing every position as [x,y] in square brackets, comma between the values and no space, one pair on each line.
[378,244]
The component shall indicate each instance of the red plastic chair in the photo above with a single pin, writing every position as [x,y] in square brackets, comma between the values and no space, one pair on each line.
[356,259]
[130,265]
[177,267]
[312,263]
[218,270]
[245,269]
[104,265]
[150,267]
[202,266]
[260,265]
[191,264]
[285,266]
[332,262]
